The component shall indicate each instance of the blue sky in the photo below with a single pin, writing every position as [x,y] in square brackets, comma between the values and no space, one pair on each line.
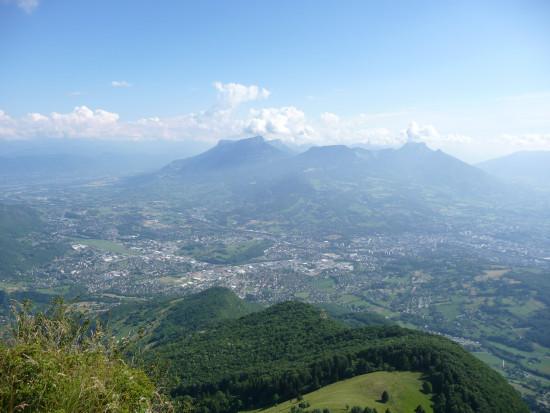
[460,75]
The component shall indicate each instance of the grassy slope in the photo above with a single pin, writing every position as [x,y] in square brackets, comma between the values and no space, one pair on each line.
[364,391]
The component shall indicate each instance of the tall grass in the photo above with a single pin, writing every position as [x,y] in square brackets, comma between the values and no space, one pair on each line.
[59,361]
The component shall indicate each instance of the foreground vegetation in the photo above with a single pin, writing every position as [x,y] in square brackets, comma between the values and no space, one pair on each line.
[55,362]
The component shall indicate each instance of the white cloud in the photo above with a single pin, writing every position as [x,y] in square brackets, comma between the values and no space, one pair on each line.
[28,6]
[233,94]
[418,133]
[4,117]
[429,134]
[8,127]
[290,124]
[333,129]
[82,122]
[120,84]
[457,138]
[530,141]
[37,117]
[286,123]
[329,118]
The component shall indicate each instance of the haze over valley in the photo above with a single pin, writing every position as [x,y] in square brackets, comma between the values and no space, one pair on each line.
[361,236]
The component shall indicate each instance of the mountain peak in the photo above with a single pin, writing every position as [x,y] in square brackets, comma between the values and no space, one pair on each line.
[245,141]
[229,154]
[330,150]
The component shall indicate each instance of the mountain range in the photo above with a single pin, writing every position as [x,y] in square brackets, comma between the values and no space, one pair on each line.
[329,187]
[531,168]
[413,163]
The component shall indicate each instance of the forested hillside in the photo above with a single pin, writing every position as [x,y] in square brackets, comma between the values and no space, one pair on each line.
[20,241]
[165,320]
[294,348]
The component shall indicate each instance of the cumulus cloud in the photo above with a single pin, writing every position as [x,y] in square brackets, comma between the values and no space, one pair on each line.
[287,123]
[120,84]
[418,133]
[7,126]
[359,129]
[329,118]
[429,134]
[233,94]
[81,122]
[222,120]
[531,141]
[457,138]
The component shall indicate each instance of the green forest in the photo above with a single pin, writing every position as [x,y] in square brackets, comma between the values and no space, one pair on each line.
[213,352]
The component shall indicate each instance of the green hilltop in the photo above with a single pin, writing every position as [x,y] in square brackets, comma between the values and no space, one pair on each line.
[162,321]
[240,362]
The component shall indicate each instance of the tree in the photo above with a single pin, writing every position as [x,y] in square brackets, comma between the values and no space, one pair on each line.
[385,397]
[427,387]
[419,409]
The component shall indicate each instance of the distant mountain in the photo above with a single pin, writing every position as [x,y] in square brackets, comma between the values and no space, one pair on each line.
[52,160]
[532,168]
[324,188]
[331,157]
[288,149]
[416,163]
[255,157]
[413,163]
[227,156]
[292,348]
